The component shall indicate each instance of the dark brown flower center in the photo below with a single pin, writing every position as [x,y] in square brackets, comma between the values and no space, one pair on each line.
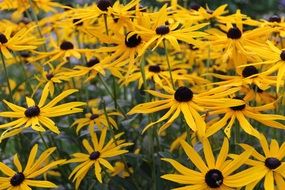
[274,18]
[17,179]
[49,76]
[92,62]
[183,94]
[234,33]
[3,39]
[282,55]
[94,116]
[103,5]
[154,68]
[214,178]
[193,47]
[32,111]
[94,155]
[132,41]
[240,107]
[162,30]
[272,163]
[66,45]
[249,71]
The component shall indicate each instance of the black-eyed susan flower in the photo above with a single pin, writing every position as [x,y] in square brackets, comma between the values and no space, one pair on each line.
[97,155]
[37,116]
[214,174]
[24,179]
[275,57]
[241,113]
[184,100]
[96,117]
[269,166]
[19,41]
[157,28]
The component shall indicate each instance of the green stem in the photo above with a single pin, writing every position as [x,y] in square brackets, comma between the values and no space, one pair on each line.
[168,64]
[115,141]
[7,77]
[110,94]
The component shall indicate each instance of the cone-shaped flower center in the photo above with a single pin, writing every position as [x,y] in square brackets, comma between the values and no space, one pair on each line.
[94,116]
[249,71]
[214,178]
[272,163]
[3,39]
[183,94]
[240,107]
[66,45]
[49,76]
[154,68]
[132,41]
[17,179]
[94,155]
[274,18]
[104,4]
[92,62]
[163,29]
[234,33]
[32,111]
[282,55]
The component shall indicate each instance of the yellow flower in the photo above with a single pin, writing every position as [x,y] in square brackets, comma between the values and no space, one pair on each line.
[214,174]
[269,166]
[241,113]
[97,155]
[95,117]
[185,101]
[21,40]
[38,115]
[25,179]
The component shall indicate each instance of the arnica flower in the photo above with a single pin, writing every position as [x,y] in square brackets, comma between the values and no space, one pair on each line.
[20,40]
[270,166]
[241,113]
[184,100]
[97,155]
[214,174]
[38,115]
[96,117]
[25,179]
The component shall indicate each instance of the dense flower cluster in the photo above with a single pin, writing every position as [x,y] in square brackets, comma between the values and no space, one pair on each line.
[145,83]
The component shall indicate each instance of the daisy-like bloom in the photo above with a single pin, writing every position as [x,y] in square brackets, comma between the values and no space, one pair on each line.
[62,52]
[20,40]
[268,166]
[38,115]
[241,113]
[249,75]
[185,101]
[97,155]
[96,117]
[238,46]
[25,179]
[274,57]
[52,77]
[214,174]
[157,29]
